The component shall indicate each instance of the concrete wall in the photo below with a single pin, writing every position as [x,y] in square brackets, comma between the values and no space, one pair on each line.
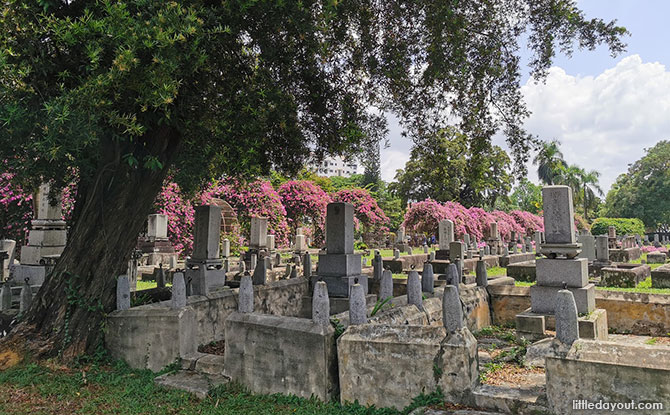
[387,366]
[151,337]
[611,372]
[145,336]
[275,354]
[635,313]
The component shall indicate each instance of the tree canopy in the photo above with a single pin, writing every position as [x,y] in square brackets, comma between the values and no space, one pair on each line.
[117,94]
[643,191]
[448,167]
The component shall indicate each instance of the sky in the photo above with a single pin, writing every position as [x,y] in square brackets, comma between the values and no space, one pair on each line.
[604,111]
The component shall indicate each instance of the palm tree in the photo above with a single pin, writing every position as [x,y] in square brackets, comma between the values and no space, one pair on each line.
[549,162]
[590,187]
[571,176]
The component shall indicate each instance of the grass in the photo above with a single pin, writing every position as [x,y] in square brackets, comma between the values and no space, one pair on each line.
[145,285]
[644,257]
[496,272]
[115,389]
[643,287]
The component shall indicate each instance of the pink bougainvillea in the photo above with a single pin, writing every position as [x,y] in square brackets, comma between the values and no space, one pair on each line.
[16,210]
[305,204]
[528,221]
[371,217]
[180,213]
[257,198]
[424,217]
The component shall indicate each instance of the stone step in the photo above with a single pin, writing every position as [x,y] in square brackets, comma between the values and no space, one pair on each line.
[197,384]
[511,400]
[209,364]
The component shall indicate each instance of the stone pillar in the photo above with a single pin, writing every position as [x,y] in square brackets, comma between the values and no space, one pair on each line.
[157,226]
[206,233]
[307,266]
[270,243]
[602,249]
[225,248]
[414,294]
[178,291]
[6,297]
[588,243]
[567,325]
[452,311]
[339,266]
[160,277]
[357,306]
[452,276]
[396,254]
[260,273]
[386,285]
[481,274]
[427,278]
[246,295]
[122,293]
[321,304]
[377,266]
[259,232]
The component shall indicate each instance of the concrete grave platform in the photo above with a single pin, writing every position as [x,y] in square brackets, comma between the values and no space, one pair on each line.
[543,298]
[660,277]
[533,326]
[657,258]
[404,361]
[624,275]
[625,255]
[274,354]
[522,271]
[609,371]
[506,261]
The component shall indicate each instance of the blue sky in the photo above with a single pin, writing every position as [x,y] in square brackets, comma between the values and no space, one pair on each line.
[605,111]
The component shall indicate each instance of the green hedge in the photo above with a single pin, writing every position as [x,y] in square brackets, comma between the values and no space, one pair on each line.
[624,226]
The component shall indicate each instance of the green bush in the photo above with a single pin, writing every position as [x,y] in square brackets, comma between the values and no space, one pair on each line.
[360,245]
[624,226]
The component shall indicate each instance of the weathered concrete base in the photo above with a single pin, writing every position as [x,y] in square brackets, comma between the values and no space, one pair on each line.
[624,275]
[506,261]
[508,400]
[151,337]
[625,255]
[533,326]
[386,366]
[611,372]
[288,355]
[660,277]
[543,298]
[522,271]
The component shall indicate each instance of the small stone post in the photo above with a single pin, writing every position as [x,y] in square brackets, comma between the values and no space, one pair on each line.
[321,304]
[357,305]
[386,285]
[178,291]
[122,293]
[481,274]
[160,277]
[246,295]
[427,278]
[452,276]
[5,297]
[377,266]
[414,294]
[260,272]
[27,297]
[452,311]
[396,253]
[225,248]
[253,261]
[307,266]
[567,325]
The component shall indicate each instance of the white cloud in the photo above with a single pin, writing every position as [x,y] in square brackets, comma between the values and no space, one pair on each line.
[392,160]
[603,122]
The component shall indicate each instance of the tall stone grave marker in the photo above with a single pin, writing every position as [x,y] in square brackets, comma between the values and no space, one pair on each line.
[205,267]
[339,267]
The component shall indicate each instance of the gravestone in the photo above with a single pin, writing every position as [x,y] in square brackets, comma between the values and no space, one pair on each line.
[204,269]
[307,266]
[6,296]
[246,295]
[427,279]
[559,269]
[178,299]
[386,285]
[321,304]
[225,248]
[340,267]
[8,246]
[258,234]
[300,245]
[446,233]
[602,250]
[27,297]
[567,324]
[481,274]
[588,247]
[414,294]
[452,310]
[377,266]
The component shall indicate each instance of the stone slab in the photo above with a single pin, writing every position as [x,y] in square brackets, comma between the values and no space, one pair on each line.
[197,384]
[340,228]
[660,277]
[36,274]
[387,366]
[339,265]
[553,272]
[275,354]
[543,299]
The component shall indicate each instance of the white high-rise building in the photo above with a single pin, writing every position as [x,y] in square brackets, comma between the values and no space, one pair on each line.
[334,166]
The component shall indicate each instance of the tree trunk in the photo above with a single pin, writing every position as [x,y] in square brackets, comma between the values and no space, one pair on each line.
[67,316]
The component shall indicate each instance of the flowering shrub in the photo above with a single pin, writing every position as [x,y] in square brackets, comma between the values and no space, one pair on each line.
[181,215]
[305,204]
[371,217]
[528,221]
[16,210]
[650,248]
[257,198]
[424,217]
